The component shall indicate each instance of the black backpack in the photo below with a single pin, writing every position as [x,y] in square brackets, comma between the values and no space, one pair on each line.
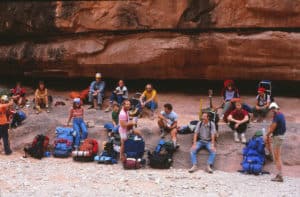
[162,156]
[38,147]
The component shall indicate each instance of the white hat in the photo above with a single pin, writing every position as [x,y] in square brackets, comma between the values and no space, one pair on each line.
[98,75]
[76,100]
[4,98]
[273,105]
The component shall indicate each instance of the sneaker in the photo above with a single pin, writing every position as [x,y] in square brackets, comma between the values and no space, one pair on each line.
[209,169]
[91,107]
[177,146]
[243,138]
[255,120]
[278,178]
[107,109]
[193,169]
[47,110]
[8,153]
[236,137]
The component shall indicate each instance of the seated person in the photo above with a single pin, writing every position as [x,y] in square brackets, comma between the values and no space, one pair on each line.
[18,95]
[114,126]
[148,99]
[77,113]
[262,104]
[238,121]
[119,95]
[204,137]
[229,93]
[96,92]
[41,98]
[167,122]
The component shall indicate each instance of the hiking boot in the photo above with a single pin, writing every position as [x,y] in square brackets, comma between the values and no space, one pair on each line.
[193,169]
[8,153]
[278,178]
[177,146]
[209,169]
[243,138]
[236,137]
[107,109]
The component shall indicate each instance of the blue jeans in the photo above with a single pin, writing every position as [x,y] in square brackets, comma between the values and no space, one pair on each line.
[110,127]
[151,105]
[99,97]
[199,145]
[116,97]
[79,125]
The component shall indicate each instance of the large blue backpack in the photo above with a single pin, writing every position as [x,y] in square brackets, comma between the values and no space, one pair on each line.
[134,147]
[254,156]
[63,143]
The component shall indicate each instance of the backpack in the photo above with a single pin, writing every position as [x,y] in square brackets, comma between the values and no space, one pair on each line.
[162,156]
[190,128]
[38,146]
[18,118]
[63,142]
[254,156]
[108,155]
[87,150]
[134,148]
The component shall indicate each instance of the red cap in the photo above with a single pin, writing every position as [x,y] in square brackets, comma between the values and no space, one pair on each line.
[228,82]
[261,90]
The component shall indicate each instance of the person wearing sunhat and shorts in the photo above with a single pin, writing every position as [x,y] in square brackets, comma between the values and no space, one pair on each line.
[275,137]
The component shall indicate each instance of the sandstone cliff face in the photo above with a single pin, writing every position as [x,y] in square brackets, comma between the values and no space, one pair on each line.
[187,39]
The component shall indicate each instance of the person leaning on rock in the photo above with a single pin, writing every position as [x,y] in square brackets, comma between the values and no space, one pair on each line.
[4,123]
[277,130]
[204,137]
[96,92]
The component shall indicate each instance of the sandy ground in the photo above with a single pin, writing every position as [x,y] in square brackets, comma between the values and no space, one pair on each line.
[63,177]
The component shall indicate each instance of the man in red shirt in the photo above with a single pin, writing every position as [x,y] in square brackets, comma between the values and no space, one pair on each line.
[238,120]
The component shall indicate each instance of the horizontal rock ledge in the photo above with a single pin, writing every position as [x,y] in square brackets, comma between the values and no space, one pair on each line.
[214,56]
[56,17]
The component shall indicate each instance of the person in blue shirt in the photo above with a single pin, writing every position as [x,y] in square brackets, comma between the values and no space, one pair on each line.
[96,92]
[277,130]
[167,122]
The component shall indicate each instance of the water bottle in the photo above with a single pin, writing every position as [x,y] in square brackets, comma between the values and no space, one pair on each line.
[264,131]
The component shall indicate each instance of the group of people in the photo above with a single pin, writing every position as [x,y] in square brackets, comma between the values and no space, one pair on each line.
[236,113]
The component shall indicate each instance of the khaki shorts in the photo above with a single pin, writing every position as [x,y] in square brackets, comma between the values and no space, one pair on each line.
[277,140]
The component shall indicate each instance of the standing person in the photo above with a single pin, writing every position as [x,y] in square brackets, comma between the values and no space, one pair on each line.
[4,123]
[204,137]
[119,95]
[149,99]
[262,104]
[114,126]
[126,126]
[277,130]
[167,122]
[18,95]
[96,92]
[238,120]
[41,97]
[77,113]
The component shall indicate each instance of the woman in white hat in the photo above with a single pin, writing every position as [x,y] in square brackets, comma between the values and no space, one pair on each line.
[77,114]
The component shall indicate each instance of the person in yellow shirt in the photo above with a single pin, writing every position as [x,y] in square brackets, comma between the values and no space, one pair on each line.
[149,99]
[41,97]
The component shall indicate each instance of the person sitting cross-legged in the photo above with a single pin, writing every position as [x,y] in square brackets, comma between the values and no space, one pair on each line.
[148,99]
[41,97]
[167,122]
[204,137]
[238,122]
[262,104]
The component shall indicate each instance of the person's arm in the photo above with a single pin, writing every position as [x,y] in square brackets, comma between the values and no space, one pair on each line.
[46,92]
[213,136]
[129,125]
[7,105]
[125,93]
[174,125]
[268,101]
[92,87]
[142,97]
[231,119]
[272,129]
[102,86]
[246,119]
[36,94]
[70,117]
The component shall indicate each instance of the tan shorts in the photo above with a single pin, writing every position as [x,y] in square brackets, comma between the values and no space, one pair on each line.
[277,141]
